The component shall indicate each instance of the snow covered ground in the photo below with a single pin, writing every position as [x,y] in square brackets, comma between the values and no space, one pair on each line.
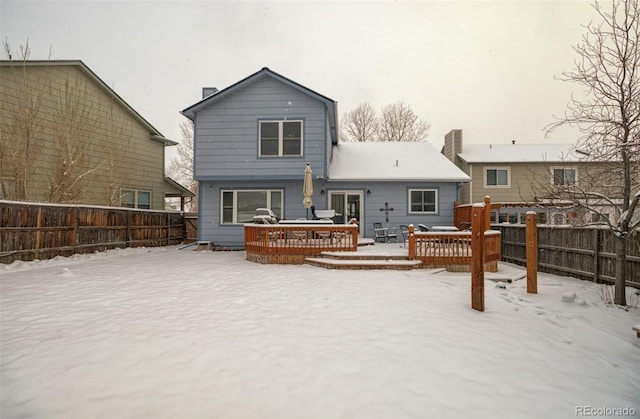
[157,333]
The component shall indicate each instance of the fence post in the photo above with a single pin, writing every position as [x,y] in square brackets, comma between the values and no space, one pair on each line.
[412,242]
[531,226]
[128,229]
[477,257]
[38,233]
[596,255]
[487,213]
[76,222]
[168,229]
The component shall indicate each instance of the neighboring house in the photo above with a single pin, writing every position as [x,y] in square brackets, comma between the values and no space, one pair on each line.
[67,137]
[253,139]
[518,174]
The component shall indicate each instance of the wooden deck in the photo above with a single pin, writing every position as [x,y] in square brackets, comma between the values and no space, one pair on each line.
[453,250]
[290,244]
[336,246]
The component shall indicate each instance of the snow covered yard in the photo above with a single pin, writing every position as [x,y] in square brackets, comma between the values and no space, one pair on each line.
[161,332]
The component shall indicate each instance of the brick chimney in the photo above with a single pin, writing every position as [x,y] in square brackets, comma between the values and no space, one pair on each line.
[452,144]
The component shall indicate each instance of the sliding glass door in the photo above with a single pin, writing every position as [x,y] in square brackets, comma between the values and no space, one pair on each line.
[347,205]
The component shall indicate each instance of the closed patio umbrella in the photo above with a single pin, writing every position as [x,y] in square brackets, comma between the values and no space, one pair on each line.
[307,189]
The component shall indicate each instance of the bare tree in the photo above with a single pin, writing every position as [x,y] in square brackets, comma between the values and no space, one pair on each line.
[398,122]
[608,117]
[72,136]
[360,124]
[64,129]
[23,121]
[181,168]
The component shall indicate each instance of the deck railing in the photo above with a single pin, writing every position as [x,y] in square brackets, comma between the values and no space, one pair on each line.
[281,243]
[290,244]
[452,250]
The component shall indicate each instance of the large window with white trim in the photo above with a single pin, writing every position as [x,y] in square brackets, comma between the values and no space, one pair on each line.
[280,138]
[239,206]
[423,201]
[497,177]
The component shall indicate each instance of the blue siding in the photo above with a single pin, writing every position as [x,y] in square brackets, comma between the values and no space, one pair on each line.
[210,227]
[226,157]
[226,133]
[396,194]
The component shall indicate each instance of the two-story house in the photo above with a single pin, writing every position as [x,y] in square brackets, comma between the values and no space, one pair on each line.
[530,177]
[253,139]
[67,137]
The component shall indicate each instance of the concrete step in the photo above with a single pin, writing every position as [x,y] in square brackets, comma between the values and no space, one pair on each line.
[368,263]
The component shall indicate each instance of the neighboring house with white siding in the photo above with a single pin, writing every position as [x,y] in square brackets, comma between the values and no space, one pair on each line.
[67,137]
[252,141]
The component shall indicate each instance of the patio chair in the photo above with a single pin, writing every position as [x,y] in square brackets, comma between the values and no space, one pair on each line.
[384,233]
[423,227]
[404,229]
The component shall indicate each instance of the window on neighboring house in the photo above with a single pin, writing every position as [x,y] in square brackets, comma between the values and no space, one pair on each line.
[239,207]
[423,201]
[563,176]
[497,177]
[280,138]
[7,187]
[131,198]
[600,217]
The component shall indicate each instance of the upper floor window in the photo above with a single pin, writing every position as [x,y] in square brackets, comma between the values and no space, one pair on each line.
[564,176]
[280,138]
[497,177]
[423,201]
[130,198]
[239,207]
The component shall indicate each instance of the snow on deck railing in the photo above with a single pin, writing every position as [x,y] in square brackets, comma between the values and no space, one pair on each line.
[284,243]
[452,250]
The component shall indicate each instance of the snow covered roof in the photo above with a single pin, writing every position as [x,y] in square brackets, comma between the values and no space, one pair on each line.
[520,153]
[392,161]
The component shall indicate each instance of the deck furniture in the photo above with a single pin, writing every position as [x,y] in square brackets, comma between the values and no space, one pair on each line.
[385,234]
[404,230]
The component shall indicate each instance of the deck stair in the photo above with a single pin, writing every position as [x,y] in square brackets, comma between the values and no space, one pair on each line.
[353,260]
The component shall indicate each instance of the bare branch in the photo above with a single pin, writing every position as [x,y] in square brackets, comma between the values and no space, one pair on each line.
[399,123]
[608,116]
[360,124]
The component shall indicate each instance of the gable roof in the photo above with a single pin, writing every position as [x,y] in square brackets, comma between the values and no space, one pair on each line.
[153,132]
[392,161]
[181,190]
[521,153]
[332,105]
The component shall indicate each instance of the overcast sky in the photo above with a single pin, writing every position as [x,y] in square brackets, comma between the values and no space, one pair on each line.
[488,68]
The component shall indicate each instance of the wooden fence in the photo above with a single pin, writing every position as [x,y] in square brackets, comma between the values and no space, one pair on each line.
[191,227]
[42,231]
[581,252]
